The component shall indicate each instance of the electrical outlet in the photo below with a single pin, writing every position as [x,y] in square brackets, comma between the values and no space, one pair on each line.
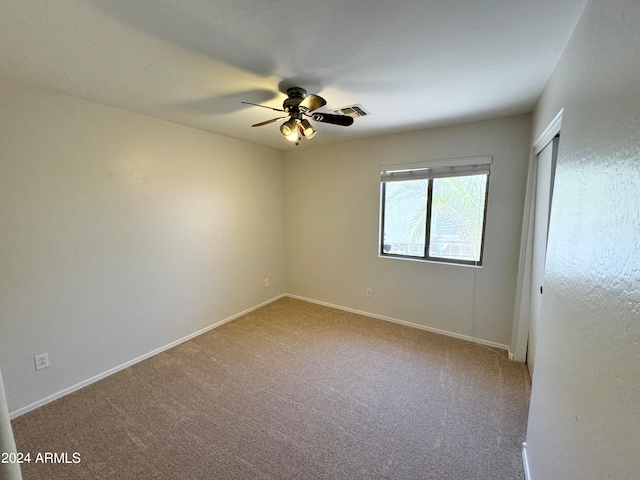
[369,292]
[42,361]
[266,282]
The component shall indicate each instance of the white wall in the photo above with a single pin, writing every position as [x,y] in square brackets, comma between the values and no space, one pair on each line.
[584,420]
[121,234]
[332,196]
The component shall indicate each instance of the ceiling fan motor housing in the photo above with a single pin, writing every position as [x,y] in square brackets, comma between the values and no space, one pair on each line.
[296,95]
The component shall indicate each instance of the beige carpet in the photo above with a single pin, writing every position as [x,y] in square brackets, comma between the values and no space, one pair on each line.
[294,391]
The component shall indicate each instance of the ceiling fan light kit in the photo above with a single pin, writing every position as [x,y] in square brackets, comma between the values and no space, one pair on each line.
[307,129]
[288,127]
[298,105]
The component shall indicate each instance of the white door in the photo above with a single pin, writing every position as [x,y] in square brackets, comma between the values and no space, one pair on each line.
[544,191]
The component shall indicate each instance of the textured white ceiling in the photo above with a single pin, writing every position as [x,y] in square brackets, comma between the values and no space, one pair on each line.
[411,63]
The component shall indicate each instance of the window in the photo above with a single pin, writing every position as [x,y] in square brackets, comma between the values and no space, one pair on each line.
[435,211]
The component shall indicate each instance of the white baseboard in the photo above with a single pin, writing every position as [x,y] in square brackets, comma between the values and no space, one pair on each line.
[525,462]
[113,370]
[100,376]
[408,324]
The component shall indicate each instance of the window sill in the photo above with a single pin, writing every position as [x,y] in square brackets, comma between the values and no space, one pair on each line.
[433,262]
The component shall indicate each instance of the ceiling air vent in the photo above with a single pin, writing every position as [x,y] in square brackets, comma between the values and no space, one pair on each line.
[353,111]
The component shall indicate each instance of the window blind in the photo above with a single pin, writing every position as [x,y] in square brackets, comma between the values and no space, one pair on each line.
[438,169]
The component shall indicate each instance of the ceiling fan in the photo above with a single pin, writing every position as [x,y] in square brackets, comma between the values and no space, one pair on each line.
[299,105]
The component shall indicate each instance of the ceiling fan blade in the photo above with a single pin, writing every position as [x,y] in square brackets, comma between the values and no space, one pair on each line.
[311,103]
[263,106]
[342,120]
[267,122]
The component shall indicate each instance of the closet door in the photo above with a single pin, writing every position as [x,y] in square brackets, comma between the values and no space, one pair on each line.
[544,191]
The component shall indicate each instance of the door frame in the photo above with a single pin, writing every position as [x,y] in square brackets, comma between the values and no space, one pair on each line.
[522,307]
